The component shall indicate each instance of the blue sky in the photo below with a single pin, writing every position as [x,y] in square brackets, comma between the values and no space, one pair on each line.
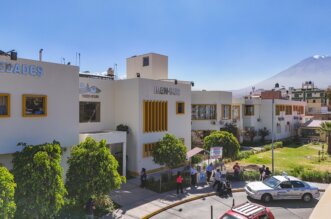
[218,44]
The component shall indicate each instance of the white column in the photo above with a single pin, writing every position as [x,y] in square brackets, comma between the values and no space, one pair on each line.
[124,158]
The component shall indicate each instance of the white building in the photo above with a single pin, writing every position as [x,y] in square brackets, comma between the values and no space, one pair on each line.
[41,102]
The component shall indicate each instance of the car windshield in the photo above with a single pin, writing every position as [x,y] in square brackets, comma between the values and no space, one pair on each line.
[271,182]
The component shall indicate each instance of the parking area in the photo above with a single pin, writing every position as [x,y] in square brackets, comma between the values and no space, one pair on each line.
[289,209]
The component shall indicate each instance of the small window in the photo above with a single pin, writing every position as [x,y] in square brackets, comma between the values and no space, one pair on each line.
[286,185]
[226,111]
[297,184]
[249,110]
[34,105]
[89,112]
[4,105]
[180,108]
[145,61]
[148,149]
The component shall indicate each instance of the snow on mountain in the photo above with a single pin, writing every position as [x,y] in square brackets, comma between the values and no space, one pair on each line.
[316,69]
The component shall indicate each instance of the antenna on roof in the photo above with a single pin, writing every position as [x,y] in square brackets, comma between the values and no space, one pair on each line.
[79,59]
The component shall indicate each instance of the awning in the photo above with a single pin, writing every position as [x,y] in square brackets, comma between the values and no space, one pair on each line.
[193,152]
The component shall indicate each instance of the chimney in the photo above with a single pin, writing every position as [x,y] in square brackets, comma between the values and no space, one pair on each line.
[40,55]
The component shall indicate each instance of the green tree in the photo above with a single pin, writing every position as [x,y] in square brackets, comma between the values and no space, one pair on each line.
[263,133]
[40,189]
[223,139]
[170,151]
[232,128]
[7,191]
[326,128]
[92,171]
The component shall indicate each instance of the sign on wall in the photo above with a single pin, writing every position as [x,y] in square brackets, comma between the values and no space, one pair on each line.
[216,152]
[167,91]
[21,69]
[88,91]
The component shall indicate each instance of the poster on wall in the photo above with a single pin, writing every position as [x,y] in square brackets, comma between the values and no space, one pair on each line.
[216,152]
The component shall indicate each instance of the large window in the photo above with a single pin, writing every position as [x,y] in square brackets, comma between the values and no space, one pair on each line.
[148,149]
[235,112]
[288,110]
[226,111]
[89,112]
[34,105]
[203,112]
[249,110]
[279,108]
[180,108]
[4,105]
[298,109]
[155,116]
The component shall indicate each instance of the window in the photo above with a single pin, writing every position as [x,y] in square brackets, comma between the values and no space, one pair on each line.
[155,116]
[203,112]
[286,185]
[298,109]
[309,95]
[148,149]
[34,105]
[4,105]
[226,111]
[89,112]
[235,112]
[281,108]
[146,61]
[288,110]
[297,184]
[314,101]
[180,108]
[249,110]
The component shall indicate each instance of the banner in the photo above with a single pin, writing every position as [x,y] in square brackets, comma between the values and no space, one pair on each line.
[216,152]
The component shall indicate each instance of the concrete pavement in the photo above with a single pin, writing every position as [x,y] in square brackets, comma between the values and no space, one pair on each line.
[137,202]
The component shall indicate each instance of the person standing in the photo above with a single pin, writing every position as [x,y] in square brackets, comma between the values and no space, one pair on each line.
[179,181]
[261,170]
[89,208]
[217,179]
[143,178]
[236,171]
[209,170]
[193,176]
[267,173]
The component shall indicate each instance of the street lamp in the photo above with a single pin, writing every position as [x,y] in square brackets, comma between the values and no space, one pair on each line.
[272,136]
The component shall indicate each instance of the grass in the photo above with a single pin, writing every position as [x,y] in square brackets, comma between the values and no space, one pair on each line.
[292,156]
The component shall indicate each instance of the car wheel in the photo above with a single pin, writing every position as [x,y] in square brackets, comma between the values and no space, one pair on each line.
[266,198]
[307,197]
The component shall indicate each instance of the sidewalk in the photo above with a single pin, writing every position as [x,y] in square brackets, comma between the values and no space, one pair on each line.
[137,202]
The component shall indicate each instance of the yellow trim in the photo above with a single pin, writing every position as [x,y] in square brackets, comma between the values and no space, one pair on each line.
[8,105]
[24,96]
[155,116]
[177,104]
[147,149]
[222,113]
[234,107]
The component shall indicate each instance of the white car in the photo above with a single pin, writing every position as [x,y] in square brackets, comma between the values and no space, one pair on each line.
[281,187]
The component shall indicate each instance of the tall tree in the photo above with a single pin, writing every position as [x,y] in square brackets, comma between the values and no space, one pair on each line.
[223,139]
[40,189]
[170,151]
[326,128]
[92,171]
[7,191]
[251,133]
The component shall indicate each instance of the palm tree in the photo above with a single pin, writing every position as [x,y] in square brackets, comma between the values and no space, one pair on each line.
[326,128]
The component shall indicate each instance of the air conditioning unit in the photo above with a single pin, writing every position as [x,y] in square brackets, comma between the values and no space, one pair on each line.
[259,119]
[213,122]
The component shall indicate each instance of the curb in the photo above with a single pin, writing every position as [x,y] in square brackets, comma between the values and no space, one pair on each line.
[193,199]
[185,201]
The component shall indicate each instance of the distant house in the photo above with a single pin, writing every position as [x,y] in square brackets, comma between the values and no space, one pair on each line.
[310,130]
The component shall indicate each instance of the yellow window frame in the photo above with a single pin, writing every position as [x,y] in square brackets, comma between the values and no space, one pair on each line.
[36,96]
[8,105]
[177,104]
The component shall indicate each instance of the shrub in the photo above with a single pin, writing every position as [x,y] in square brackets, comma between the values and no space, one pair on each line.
[196,159]
[250,175]
[103,205]
[244,154]
[7,191]
[123,128]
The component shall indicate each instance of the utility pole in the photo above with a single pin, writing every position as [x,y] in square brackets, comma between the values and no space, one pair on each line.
[272,135]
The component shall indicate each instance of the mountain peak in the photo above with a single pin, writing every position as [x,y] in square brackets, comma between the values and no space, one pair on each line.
[320,56]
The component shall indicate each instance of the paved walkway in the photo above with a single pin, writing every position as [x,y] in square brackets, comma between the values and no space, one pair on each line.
[137,202]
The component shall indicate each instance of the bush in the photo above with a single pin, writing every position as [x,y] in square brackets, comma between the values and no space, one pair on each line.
[7,191]
[167,183]
[196,159]
[244,154]
[103,205]
[225,139]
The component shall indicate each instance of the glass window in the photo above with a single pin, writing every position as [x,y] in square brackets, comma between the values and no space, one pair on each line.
[272,182]
[180,108]
[286,185]
[236,112]
[288,110]
[226,111]
[203,112]
[34,105]
[249,110]
[146,61]
[89,112]
[4,105]
[297,184]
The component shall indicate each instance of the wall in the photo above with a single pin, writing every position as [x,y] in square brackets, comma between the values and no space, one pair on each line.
[107,99]
[59,82]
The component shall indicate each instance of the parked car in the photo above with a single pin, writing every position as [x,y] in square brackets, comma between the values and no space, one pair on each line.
[281,187]
[248,210]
